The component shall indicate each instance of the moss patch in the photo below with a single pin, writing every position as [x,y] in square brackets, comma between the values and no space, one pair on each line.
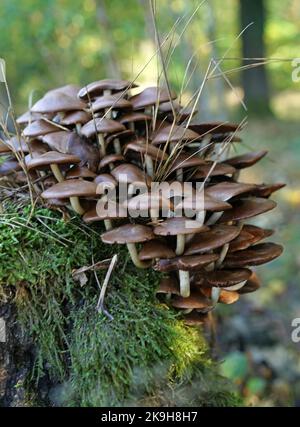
[145,355]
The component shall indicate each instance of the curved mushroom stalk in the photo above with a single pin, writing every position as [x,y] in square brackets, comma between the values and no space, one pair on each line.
[222,255]
[184,278]
[57,172]
[75,203]
[215,294]
[101,144]
[180,244]
[117,146]
[214,218]
[135,258]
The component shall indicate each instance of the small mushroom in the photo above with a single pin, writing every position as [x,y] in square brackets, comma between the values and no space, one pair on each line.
[100,127]
[247,208]
[255,255]
[104,87]
[71,189]
[195,301]
[130,234]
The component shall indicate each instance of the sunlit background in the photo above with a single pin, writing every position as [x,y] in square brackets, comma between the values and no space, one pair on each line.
[49,43]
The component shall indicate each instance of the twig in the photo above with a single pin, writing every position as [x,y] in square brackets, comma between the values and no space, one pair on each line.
[100,304]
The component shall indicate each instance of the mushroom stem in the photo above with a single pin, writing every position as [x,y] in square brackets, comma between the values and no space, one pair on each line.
[215,294]
[78,128]
[184,278]
[180,244]
[57,173]
[214,218]
[135,258]
[223,254]
[108,224]
[102,144]
[117,146]
[76,205]
[73,200]
[187,310]
[149,166]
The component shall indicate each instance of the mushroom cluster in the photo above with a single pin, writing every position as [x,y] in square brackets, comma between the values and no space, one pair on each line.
[78,146]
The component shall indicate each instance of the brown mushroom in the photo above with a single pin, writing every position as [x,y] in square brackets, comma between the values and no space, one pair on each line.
[255,255]
[71,189]
[130,234]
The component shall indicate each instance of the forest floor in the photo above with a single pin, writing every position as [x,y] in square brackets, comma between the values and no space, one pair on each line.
[254,335]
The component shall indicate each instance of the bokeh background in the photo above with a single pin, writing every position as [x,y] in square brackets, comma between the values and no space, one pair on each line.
[49,43]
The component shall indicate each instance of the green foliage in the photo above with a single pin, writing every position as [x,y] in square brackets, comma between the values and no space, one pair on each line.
[48,43]
[143,356]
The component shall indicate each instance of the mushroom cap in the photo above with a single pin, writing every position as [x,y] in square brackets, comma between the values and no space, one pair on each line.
[196,300]
[166,107]
[109,209]
[70,188]
[70,90]
[186,160]
[214,128]
[251,285]
[124,134]
[101,125]
[27,117]
[156,249]
[13,144]
[246,160]
[97,88]
[205,202]
[226,278]
[179,225]
[110,158]
[105,178]
[110,101]
[249,235]
[227,190]
[247,208]
[214,238]
[213,169]
[129,233]
[266,190]
[225,297]
[129,173]
[9,166]
[185,263]
[168,285]
[39,128]
[150,96]
[50,158]
[80,172]
[72,143]
[173,133]
[135,116]
[56,101]
[151,151]
[255,255]
[75,117]
[146,201]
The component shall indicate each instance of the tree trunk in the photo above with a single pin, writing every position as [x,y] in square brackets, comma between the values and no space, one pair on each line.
[255,81]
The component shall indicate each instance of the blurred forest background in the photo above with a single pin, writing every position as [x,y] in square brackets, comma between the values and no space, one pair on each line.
[48,43]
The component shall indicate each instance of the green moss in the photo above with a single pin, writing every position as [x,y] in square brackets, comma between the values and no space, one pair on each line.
[145,355]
